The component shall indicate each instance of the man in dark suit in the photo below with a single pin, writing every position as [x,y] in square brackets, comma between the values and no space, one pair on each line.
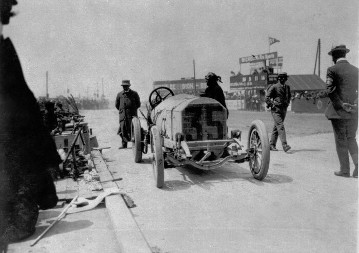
[278,98]
[342,89]
[127,103]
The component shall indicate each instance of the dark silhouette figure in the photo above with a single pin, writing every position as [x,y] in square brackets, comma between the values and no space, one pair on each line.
[27,151]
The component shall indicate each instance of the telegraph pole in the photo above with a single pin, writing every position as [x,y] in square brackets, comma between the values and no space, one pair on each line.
[319,47]
[317,58]
[97,90]
[103,93]
[47,84]
[194,77]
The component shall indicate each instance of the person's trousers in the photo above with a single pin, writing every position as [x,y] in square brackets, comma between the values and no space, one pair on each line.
[278,128]
[345,141]
[125,130]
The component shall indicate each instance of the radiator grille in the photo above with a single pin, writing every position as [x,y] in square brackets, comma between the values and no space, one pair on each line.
[204,122]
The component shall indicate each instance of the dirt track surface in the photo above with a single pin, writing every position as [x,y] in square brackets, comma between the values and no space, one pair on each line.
[299,207]
[297,124]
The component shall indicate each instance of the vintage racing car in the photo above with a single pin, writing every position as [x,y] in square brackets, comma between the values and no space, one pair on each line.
[189,130]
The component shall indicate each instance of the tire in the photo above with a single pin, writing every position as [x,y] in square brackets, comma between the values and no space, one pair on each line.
[258,139]
[157,157]
[136,140]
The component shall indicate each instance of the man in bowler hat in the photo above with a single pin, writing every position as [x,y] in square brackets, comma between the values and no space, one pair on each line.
[127,103]
[278,98]
[342,90]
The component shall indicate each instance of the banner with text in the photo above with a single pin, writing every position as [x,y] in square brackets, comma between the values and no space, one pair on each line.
[249,82]
[259,57]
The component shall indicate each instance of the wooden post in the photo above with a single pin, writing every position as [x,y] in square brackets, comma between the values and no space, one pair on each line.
[317,59]
[47,84]
[194,77]
[319,47]
[103,93]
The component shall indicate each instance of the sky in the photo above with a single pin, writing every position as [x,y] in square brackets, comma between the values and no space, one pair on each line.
[85,43]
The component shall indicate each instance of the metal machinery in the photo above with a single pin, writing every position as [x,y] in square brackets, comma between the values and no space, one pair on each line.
[189,130]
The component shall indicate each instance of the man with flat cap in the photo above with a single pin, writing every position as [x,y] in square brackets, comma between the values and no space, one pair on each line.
[342,110]
[127,103]
[278,98]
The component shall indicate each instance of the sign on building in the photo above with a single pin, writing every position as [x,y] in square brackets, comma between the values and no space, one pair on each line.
[259,57]
[183,86]
[249,82]
[276,63]
[257,67]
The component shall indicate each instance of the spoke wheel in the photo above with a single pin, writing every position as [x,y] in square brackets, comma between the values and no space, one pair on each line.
[157,157]
[136,139]
[158,95]
[259,150]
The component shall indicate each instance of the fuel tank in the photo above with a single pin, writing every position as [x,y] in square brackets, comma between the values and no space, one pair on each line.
[197,118]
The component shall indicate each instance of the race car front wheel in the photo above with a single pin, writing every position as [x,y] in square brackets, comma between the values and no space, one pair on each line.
[157,157]
[258,150]
[136,139]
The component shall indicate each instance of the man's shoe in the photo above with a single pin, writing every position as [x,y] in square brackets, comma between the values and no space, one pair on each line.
[355,172]
[124,145]
[273,148]
[341,174]
[286,147]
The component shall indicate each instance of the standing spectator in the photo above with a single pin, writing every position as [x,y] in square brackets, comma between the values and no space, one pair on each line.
[127,103]
[278,98]
[213,90]
[50,120]
[342,90]
[27,151]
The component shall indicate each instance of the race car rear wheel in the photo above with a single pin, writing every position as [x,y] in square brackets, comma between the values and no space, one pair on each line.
[136,139]
[157,157]
[259,150]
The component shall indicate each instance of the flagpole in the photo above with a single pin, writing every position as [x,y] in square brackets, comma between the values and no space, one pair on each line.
[268,45]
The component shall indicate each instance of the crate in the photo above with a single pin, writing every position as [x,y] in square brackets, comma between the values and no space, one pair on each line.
[65,140]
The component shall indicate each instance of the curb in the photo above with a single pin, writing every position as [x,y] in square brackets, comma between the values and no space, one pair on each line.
[128,234]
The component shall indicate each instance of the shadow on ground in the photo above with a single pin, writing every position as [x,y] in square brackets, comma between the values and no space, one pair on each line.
[146,161]
[304,150]
[208,178]
[61,227]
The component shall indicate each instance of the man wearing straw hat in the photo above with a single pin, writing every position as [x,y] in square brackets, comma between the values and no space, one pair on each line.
[127,103]
[342,110]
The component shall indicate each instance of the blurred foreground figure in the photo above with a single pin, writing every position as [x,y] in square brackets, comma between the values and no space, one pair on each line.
[127,103]
[342,110]
[27,151]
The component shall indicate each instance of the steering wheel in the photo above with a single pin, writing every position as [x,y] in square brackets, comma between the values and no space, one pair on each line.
[158,95]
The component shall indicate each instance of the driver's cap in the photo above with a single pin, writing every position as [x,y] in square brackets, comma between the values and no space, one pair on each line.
[126,83]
